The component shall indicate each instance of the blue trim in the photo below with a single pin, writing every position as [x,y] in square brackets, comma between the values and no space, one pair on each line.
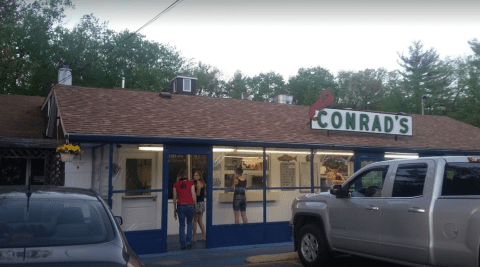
[110,176]
[128,139]
[312,169]
[195,150]
[249,234]
[264,187]
[147,241]
[137,191]
[165,199]
[209,219]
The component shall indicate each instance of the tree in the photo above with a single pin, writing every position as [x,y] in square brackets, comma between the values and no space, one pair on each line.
[424,74]
[467,94]
[209,81]
[237,86]
[265,86]
[26,30]
[361,90]
[308,84]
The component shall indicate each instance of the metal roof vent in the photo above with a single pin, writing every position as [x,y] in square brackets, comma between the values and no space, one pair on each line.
[283,99]
[165,95]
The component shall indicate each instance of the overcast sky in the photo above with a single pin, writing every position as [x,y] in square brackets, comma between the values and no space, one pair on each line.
[283,36]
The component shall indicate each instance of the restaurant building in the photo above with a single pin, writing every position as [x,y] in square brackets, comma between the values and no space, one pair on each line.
[136,142]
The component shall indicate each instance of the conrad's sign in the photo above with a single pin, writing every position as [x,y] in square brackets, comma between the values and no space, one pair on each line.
[359,121]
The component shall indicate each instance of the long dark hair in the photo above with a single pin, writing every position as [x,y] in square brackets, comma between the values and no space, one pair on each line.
[201,178]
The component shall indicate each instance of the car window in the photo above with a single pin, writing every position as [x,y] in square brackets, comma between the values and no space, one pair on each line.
[369,183]
[461,178]
[409,180]
[52,222]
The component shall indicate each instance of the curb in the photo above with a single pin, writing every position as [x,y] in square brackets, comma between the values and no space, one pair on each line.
[272,257]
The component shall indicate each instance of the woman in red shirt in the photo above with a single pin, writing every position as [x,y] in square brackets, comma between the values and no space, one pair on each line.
[184,191]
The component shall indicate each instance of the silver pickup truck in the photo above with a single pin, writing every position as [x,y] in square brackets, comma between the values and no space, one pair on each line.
[420,212]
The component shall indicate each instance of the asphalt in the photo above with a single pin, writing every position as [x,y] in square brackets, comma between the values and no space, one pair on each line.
[228,256]
[266,255]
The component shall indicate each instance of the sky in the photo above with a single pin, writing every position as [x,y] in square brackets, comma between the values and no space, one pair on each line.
[255,36]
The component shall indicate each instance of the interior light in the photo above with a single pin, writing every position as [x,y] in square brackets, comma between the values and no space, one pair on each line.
[273,151]
[335,153]
[401,155]
[223,149]
[151,148]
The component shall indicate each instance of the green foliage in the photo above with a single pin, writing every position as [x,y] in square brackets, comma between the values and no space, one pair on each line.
[361,90]
[308,84]
[424,74]
[237,85]
[209,81]
[265,86]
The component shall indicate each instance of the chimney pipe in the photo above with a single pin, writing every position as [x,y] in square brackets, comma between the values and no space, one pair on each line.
[65,75]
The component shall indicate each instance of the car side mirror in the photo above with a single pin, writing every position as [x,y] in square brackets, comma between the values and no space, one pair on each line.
[336,190]
[119,220]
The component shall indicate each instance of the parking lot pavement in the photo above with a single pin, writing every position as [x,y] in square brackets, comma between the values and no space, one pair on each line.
[278,255]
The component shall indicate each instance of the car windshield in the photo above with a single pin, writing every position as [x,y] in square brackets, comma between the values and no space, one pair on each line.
[52,222]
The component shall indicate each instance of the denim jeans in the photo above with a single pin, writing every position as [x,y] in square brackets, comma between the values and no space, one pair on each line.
[185,212]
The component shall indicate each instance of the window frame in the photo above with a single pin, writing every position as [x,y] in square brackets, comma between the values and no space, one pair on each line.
[189,87]
[365,172]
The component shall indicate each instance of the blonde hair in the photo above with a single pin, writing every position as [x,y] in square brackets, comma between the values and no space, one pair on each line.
[181,174]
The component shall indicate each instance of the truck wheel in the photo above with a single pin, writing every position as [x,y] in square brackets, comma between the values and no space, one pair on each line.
[312,249]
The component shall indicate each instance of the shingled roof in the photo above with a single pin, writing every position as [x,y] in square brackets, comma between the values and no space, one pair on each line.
[142,113]
[21,116]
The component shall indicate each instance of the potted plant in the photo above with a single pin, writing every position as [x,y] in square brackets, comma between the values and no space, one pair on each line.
[68,151]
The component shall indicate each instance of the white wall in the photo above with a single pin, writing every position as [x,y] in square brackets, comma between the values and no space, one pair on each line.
[78,173]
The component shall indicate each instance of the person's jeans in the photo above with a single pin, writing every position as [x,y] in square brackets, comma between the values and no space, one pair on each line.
[185,212]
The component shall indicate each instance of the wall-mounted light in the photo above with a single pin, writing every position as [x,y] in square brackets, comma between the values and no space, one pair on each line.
[151,148]
[390,155]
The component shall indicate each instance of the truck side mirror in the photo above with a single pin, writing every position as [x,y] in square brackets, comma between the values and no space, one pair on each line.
[336,190]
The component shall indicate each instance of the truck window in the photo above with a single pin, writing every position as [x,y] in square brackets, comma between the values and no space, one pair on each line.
[369,183]
[461,179]
[409,180]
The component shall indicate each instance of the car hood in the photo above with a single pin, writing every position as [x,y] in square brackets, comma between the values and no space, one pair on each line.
[104,254]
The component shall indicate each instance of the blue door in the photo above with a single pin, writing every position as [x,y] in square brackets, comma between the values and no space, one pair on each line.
[191,159]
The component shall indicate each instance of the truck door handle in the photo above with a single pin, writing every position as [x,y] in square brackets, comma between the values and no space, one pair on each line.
[416,210]
[371,208]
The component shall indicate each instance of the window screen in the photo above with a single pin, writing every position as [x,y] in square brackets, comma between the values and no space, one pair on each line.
[461,178]
[409,180]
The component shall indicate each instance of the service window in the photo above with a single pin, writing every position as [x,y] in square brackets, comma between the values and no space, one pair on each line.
[461,179]
[409,180]
[369,183]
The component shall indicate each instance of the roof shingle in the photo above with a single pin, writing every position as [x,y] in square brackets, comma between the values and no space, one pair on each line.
[143,113]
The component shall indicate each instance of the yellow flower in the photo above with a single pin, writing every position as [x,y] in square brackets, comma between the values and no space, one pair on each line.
[69,149]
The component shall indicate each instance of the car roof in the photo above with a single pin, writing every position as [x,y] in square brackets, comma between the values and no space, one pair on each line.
[19,191]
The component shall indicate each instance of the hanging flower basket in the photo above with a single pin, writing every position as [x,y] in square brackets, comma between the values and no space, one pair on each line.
[68,151]
[64,157]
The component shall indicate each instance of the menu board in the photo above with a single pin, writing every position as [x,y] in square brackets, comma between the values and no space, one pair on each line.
[287,174]
[305,177]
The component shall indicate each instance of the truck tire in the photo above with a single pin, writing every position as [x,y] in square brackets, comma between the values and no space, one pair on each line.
[312,248]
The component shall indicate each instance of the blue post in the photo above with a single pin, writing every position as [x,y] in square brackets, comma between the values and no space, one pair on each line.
[312,167]
[110,176]
[264,185]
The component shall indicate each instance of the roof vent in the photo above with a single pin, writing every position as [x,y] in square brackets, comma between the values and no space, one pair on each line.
[283,99]
[165,95]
